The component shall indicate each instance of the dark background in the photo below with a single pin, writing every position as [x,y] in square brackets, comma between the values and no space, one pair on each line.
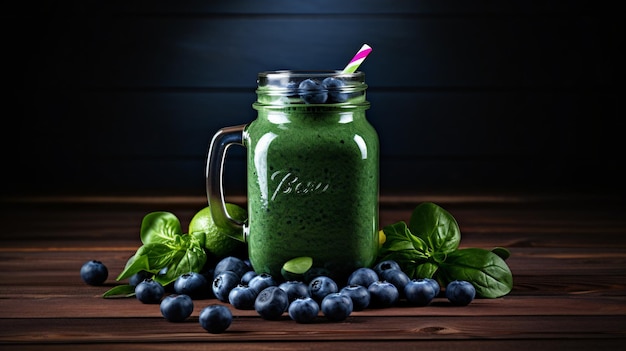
[119,97]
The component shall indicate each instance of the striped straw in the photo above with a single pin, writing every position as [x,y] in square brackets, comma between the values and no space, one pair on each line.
[358,59]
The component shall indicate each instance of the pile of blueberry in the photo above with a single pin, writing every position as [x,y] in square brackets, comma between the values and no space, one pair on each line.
[312,91]
[234,282]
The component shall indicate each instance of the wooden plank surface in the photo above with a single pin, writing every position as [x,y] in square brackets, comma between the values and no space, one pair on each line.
[568,261]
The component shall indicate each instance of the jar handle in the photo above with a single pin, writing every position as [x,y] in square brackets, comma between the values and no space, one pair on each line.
[220,143]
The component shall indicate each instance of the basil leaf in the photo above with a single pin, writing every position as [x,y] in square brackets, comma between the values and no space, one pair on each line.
[399,237]
[159,227]
[149,257]
[133,265]
[436,226]
[119,292]
[425,270]
[489,274]
[403,247]
[189,257]
[159,255]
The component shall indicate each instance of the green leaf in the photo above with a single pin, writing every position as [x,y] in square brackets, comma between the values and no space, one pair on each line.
[159,227]
[399,237]
[435,226]
[425,270]
[149,257]
[489,274]
[120,291]
[159,255]
[403,247]
[133,265]
[502,252]
[199,238]
[189,257]
[298,265]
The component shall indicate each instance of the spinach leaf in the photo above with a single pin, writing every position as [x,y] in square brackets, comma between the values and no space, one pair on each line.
[489,274]
[436,226]
[428,248]
[502,252]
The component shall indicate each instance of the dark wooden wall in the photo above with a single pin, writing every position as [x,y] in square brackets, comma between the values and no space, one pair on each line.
[124,96]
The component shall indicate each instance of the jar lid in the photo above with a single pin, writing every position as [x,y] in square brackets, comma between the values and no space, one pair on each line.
[287,87]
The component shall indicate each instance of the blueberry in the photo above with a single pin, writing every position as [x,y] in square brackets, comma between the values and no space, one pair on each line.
[312,92]
[460,292]
[384,265]
[337,306]
[359,294]
[334,86]
[435,285]
[231,263]
[363,276]
[397,278]
[383,294]
[138,277]
[242,297]
[149,291]
[295,289]
[223,284]
[303,310]
[322,286]
[192,284]
[246,277]
[176,307]
[261,282]
[215,318]
[271,303]
[292,89]
[419,292]
[94,272]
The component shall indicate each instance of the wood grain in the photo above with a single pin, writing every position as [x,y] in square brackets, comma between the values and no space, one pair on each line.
[568,262]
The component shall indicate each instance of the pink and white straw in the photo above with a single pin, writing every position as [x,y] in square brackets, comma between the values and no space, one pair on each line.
[357,59]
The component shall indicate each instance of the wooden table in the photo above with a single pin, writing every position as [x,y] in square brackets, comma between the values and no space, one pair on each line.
[568,262]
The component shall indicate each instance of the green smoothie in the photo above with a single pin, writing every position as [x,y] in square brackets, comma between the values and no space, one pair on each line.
[312,184]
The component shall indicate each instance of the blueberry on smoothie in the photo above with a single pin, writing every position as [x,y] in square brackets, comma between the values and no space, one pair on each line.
[334,86]
[312,92]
